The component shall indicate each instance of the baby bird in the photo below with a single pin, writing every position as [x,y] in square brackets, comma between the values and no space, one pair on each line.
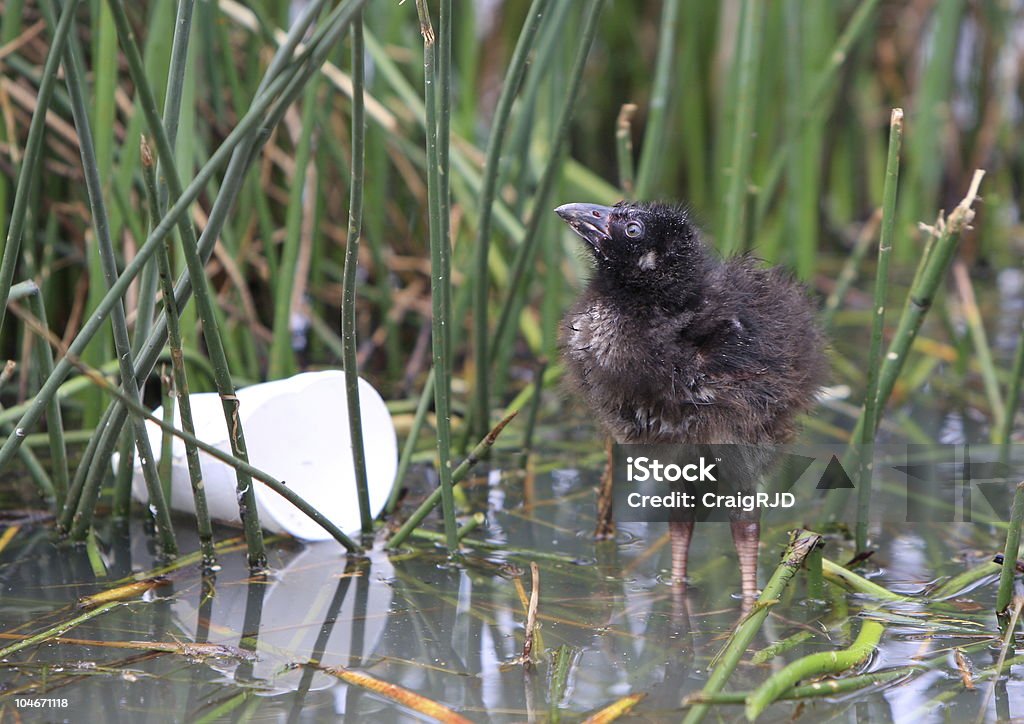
[670,344]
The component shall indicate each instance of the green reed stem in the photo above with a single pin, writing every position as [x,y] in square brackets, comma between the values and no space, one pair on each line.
[282,357]
[175,83]
[440,283]
[848,274]
[801,543]
[181,386]
[54,418]
[195,265]
[733,226]
[166,440]
[240,145]
[513,79]
[653,151]
[929,274]
[534,412]
[821,86]
[242,466]
[31,154]
[885,241]
[444,140]
[763,656]
[827,687]
[963,580]
[422,407]
[1013,390]
[457,476]
[824,662]
[525,252]
[858,584]
[976,327]
[470,525]
[815,578]
[89,460]
[348,303]
[920,298]
[33,467]
[61,628]
[82,520]
[1010,551]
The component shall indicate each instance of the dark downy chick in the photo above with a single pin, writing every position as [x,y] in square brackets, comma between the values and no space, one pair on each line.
[670,344]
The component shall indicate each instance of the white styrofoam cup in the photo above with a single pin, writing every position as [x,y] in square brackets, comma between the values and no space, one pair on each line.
[296,430]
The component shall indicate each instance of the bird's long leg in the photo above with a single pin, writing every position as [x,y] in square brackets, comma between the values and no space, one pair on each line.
[746,534]
[680,532]
[605,527]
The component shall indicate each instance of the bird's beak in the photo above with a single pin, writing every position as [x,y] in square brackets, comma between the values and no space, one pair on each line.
[590,221]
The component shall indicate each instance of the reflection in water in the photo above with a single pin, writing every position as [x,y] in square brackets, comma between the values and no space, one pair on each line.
[612,623]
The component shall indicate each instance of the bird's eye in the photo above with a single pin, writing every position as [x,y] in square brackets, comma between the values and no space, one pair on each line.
[634,229]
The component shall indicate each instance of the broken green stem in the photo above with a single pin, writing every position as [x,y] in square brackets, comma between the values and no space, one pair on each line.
[802,542]
[58,630]
[823,662]
[1010,551]
[457,476]
[885,241]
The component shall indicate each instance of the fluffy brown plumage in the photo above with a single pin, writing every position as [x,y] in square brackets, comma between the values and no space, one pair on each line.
[669,344]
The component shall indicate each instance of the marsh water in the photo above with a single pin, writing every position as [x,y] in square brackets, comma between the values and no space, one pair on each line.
[610,625]
[238,647]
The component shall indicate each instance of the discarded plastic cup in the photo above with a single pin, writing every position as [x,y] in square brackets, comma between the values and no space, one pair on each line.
[296,430]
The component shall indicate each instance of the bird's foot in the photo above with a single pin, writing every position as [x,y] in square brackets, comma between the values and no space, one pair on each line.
[680,533]
[746,535]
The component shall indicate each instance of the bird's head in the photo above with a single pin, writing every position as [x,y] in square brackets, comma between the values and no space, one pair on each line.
[648,247]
